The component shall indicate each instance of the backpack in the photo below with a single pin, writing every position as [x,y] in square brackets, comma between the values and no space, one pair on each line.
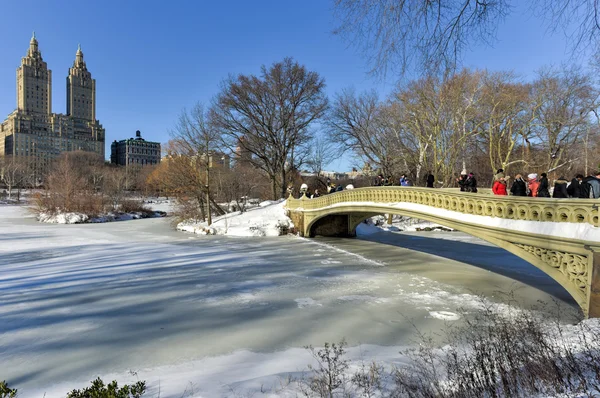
[586,191]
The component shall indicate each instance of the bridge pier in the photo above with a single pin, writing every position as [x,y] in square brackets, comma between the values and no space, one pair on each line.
[594,291]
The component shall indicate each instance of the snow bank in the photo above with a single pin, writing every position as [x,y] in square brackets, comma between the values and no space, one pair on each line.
[79,218]
[378,224]
[63,218]
[268,219]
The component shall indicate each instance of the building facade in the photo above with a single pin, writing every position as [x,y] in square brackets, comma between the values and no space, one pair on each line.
[32,129]
[135,151]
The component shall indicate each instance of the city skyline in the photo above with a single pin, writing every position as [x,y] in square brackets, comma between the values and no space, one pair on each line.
[154,61]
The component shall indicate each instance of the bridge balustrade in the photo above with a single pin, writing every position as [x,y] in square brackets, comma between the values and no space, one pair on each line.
[508,207]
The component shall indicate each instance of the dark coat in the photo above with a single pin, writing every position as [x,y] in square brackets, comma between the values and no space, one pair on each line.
[560,189]
[430,180]
[462,181]
[519,188]
[574,189]
[543,189]
[471,184]
[590,188]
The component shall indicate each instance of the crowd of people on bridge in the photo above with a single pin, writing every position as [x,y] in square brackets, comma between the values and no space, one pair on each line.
[530,185]
[539,186]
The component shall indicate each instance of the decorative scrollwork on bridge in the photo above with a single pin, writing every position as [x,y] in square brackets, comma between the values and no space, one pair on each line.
[573,266]
[508,207]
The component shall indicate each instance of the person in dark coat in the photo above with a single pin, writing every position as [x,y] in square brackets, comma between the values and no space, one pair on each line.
[462,180]
[590,187]
[560,188]
[543,189]
[430,180]
[471,183]
[519,187]
[574,188]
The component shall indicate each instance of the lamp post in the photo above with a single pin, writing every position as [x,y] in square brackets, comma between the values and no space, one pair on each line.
[207,186]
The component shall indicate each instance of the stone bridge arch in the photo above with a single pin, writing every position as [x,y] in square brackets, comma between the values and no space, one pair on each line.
[573,263]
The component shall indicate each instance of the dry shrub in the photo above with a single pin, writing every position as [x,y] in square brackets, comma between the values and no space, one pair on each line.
[133,206]
[494,353]
[514,354]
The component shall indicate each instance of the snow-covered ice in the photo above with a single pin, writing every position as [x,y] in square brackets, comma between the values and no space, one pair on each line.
[223,315]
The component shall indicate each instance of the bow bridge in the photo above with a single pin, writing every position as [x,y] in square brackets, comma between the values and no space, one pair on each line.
[559,236]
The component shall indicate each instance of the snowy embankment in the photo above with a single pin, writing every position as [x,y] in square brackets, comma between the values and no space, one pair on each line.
[378,224]
[79,218]
[268,219]
[152,209]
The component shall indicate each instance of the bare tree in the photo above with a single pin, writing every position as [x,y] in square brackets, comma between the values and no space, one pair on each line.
[564,101]
[402,35]
[269,116]
[358,123]
[115,185]
[578,19]
[321,154]
[64,183]
[199,140]
[438,116]
[505,118]
[16,173]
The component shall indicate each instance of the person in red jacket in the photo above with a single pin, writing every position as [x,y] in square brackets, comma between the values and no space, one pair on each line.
[532,185]
[499,187]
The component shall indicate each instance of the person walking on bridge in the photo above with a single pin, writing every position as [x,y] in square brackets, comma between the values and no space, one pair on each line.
[532,185]
[499,187]
[519,187]
[590,187]
[462,180]
[560,188]
[574,188]
[471,183]
[544,187]
[429,180]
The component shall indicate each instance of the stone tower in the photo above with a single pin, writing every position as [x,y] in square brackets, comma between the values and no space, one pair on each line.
[34,82]
[81,90]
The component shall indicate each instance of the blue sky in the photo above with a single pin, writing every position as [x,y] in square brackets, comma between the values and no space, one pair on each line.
[150,59]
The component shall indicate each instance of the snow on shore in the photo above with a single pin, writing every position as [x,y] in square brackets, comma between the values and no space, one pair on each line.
[268,219]
[79,218]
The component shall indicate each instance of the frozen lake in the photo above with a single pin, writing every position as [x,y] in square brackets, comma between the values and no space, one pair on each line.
[211,314]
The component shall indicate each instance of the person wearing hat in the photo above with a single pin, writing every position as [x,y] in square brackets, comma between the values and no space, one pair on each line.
[544,187]
[499,174]
[532,185]
[560,188]
[471,183]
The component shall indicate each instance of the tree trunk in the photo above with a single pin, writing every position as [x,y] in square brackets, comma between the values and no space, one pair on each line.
[283,184]
[274,187]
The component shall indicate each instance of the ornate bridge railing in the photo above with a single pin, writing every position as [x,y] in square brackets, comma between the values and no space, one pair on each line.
[508,207]
[569,254]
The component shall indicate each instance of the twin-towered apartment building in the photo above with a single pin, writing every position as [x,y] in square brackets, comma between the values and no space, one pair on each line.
[34,131]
